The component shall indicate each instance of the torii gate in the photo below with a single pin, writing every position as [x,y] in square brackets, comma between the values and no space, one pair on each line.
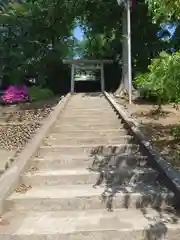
[126,55]
[87,64]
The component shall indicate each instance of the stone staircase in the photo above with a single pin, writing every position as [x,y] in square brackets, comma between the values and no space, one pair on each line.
[89,181]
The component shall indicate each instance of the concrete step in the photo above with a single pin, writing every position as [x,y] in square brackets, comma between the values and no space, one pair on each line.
[95,105]
[88,99]
[85,111]
[88,133]
[87,150]
[88,121]
[88,114]
[77,129]
[100,127]
[62,162]
[50,141]
[92,110]
[60,177]
[84,117]
[96,125]
[85,197]
[91,95]
[63,197]
[85,176]
[89,225]
[81,101]
[89,103]
[70,162]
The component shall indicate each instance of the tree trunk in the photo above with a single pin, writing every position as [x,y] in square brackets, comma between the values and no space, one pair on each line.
[121,91]
[159,103]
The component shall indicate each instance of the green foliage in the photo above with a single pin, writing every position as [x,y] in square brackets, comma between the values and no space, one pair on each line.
[103,28]
[38,93]
[97,47]
[175,132]
[58,74]
[164,10]
[36,35]
[163,78]
[30,32]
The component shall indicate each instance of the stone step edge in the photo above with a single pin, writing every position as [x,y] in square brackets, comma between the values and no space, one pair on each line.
[88,146]
[126,190]
[79,171]
[61,137]
[92,130]
[55,219]
[86,157]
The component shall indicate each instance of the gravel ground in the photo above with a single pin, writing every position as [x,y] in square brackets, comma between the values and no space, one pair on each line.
[16,136]
[30,115]
[18,123]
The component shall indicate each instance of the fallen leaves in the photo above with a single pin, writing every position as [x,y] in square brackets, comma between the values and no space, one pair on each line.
[33,169]
[23,188]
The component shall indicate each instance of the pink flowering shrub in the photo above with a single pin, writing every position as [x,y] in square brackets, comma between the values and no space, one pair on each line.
[15,94]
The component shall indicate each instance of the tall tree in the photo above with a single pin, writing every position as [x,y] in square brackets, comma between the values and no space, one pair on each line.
[30,32]
[165,10]
[103,27]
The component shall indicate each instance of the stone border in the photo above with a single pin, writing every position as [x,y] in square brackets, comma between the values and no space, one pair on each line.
[7,124]
[169,175]
[10,179]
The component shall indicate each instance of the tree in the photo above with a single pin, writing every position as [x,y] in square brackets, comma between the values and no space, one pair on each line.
[164,10]
[162,79]
[31,32]
[96,46]
[102,22]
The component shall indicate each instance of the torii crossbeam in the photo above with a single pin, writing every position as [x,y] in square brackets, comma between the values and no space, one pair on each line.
[99,64]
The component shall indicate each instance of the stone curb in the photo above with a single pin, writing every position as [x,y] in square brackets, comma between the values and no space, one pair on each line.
[170,177]
[10,179]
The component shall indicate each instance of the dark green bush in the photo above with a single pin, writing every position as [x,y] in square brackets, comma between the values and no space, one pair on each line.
[38,93]
[175,132]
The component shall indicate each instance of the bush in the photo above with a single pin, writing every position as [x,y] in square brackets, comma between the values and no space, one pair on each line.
[15,94]
[56,74]
[38,93]
[163,79]
[175,132]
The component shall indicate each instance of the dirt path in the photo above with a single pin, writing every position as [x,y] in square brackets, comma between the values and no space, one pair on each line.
[158,127]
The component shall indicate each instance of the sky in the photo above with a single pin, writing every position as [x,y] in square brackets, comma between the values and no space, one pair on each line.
[171,28]
[78,33]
